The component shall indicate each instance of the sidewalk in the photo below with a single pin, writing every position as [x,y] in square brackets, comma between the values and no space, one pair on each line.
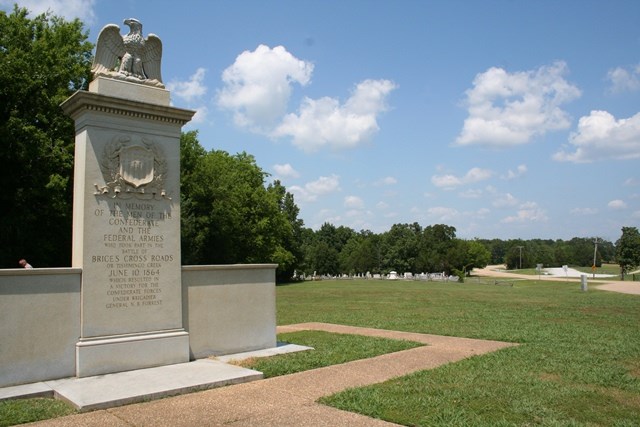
[290,400]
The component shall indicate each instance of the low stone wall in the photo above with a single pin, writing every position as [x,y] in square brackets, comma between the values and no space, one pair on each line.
[229,308]
[39,324]
[226,309]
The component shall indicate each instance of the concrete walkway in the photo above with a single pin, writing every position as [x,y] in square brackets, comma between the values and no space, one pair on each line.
[290,400]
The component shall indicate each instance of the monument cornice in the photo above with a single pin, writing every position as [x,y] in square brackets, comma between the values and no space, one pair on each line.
[83,101]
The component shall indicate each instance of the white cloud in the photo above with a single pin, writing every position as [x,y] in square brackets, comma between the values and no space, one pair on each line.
[325,215]
[617,204]
[446,181]
[388,180]
[353,202]
[326,123]
[359,219]
[505,201]
[443,213]
[481,213]
[191,89]
[321,186]
[324,184]
[491,189]
[584,211]
[258,85]
[471,194]
[527,212]
[201,115]
[382,205]
[69,9]
[520,171]
[623,80]
[286,171]
[359,214]
[257,89]
[507,109]
[601,137]
[449,181]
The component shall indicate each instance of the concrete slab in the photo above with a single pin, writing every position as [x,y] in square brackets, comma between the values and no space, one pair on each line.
[107,391]
[111,390]
[26,391]
[282,348]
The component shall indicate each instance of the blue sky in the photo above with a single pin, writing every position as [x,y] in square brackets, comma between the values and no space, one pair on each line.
[505,119]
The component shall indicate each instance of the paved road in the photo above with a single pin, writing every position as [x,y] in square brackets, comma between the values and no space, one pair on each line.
[626,287]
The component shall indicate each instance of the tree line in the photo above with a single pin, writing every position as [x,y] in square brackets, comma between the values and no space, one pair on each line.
[230,211]
[435,248]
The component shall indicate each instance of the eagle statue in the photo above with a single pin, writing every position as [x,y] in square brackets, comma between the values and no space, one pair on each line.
[130,57]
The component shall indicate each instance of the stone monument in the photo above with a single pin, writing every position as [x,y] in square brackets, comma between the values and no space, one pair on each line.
[127,303]
[126,214]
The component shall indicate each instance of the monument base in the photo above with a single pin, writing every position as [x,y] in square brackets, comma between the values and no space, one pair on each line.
[103,355]
[130,90]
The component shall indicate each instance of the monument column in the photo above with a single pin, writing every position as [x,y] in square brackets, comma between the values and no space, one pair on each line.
[126,226]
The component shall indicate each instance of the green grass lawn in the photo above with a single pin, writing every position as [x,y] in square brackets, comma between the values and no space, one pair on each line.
[329,349]
[578,362]
[21,411]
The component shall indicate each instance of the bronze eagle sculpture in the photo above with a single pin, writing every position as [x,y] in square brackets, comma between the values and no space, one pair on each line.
[130,57]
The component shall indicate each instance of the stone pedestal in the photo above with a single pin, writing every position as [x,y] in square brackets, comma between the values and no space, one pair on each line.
[126,227]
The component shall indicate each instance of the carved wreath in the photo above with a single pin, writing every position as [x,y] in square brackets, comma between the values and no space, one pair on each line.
[133,168]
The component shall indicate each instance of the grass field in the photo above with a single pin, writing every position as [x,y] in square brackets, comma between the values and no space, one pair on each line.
[19,411]
[328,349]
[578,363]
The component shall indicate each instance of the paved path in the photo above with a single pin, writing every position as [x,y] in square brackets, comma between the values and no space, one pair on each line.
[290,400]
[623,287]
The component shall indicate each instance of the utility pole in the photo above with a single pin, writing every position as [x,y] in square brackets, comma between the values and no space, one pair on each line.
[595,251]
[520,247]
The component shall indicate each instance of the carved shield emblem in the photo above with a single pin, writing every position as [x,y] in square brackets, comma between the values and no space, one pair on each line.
[136,165]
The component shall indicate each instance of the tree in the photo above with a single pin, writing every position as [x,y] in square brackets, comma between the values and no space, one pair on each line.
[289,254]
[323,251]
[518,255]
[229,216]
[580,252]
[361,253]
[336,237]
[473,254]
[436,249]
[497,248]
[401,248]
[628,250]
[42,62]
[324,258]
